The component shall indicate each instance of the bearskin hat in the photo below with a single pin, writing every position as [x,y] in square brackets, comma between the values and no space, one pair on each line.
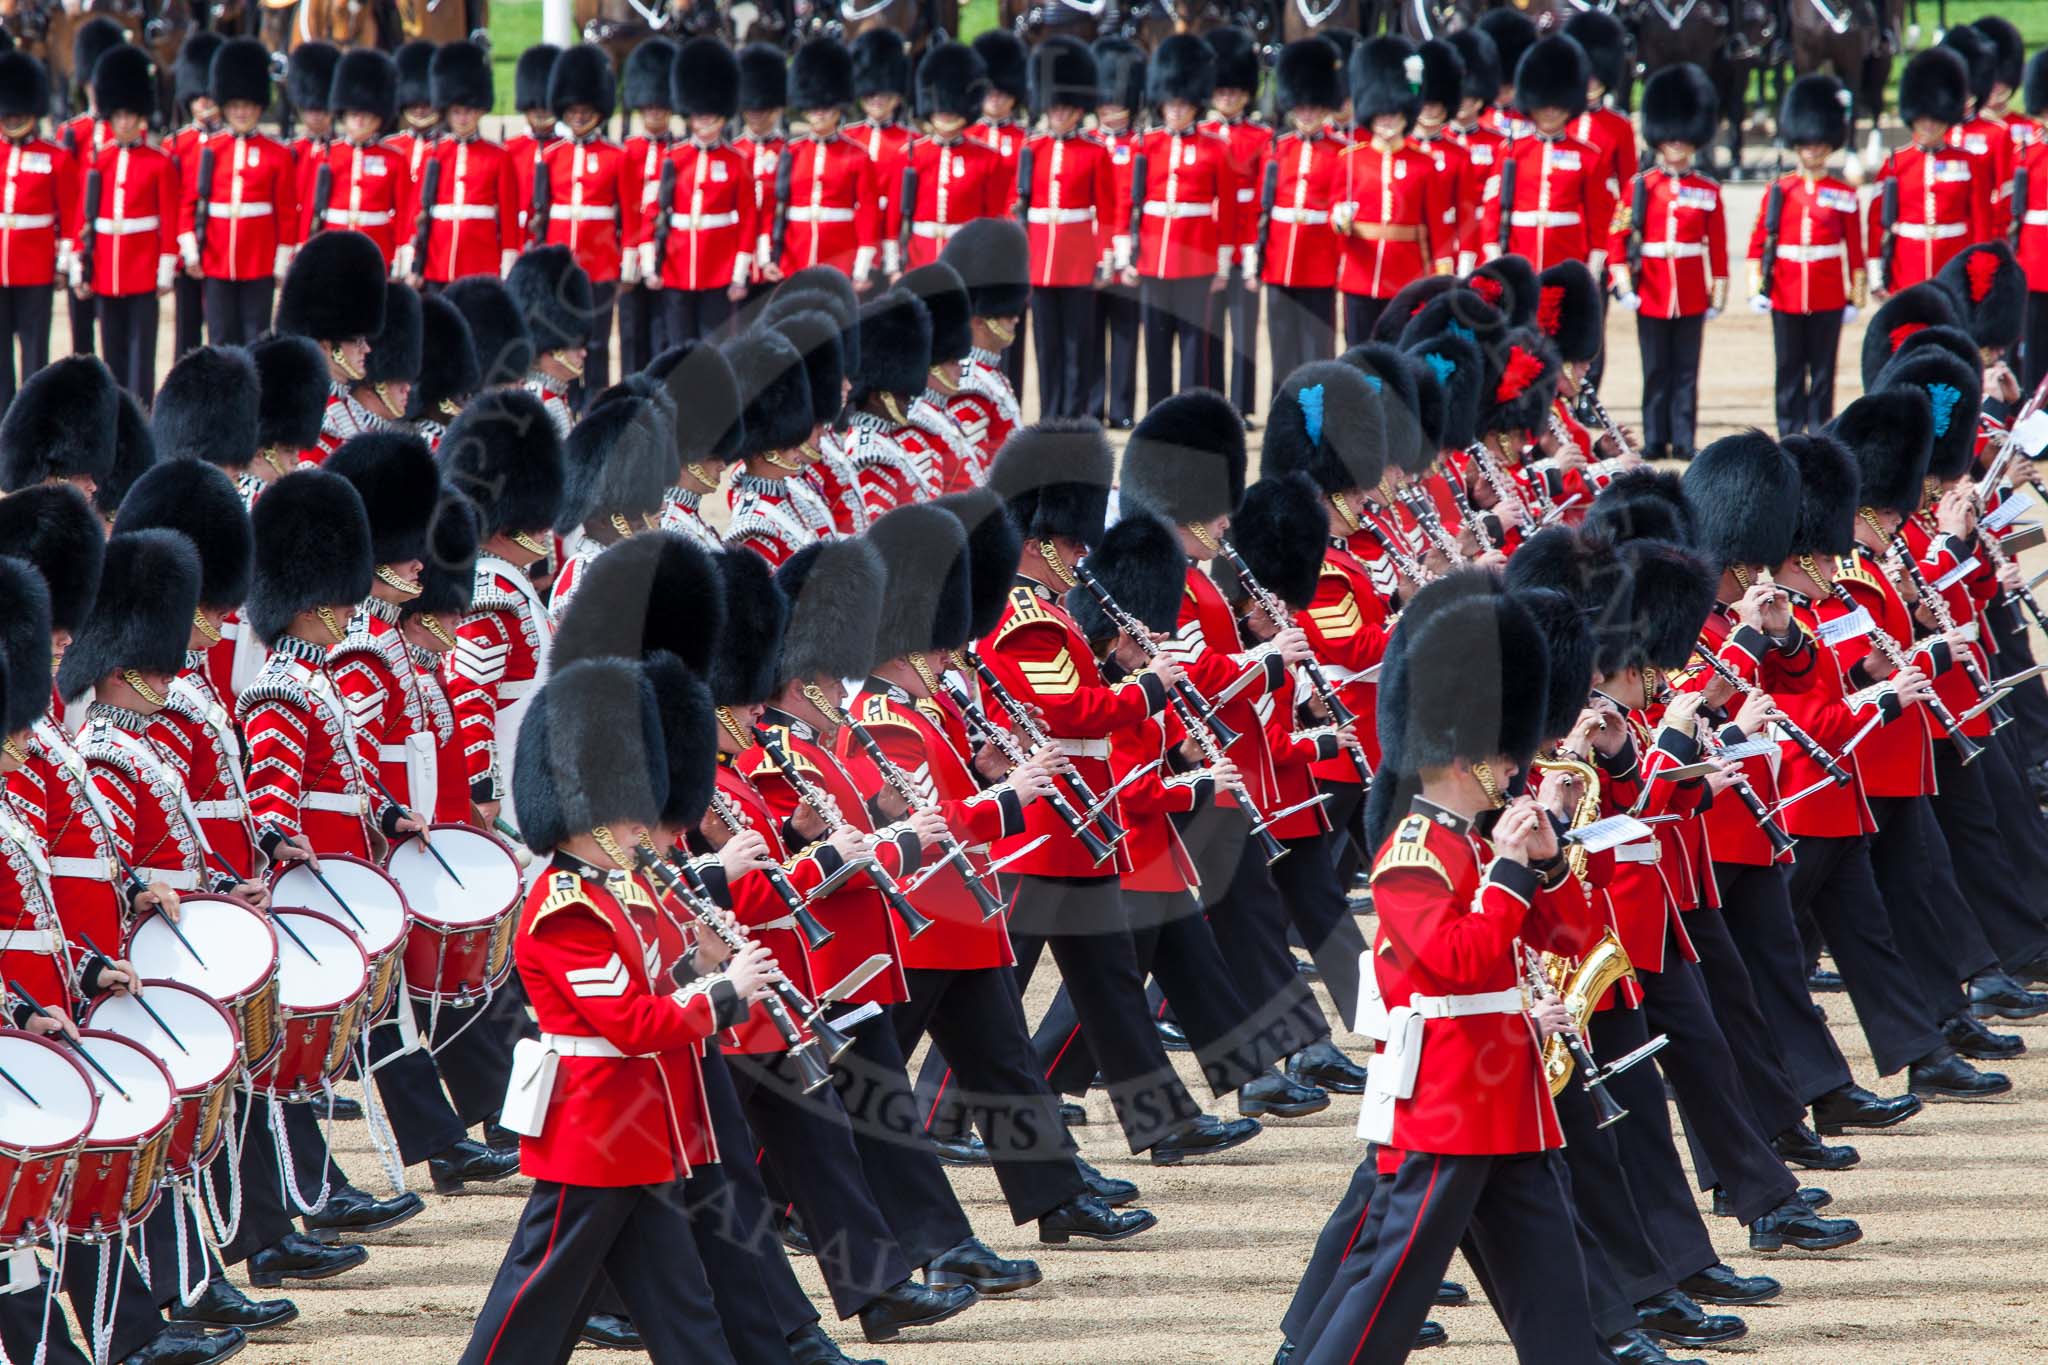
[764,78]
[1829,493]
[898,357]
[774,389]
[1513,34]
[1989,290]
[1679,105]
[293,382]
[149,592]
[699,380]
[705,80]
[449,371]
[2034,95]
[1431,405]
[309,75]
[502,452]
[1408,301]
[1063,73]
[1461,311]
[395,349]
[1521,381]
[929,601]
[1509,284]
[124,81]
[1643,601]
[1935,85]
[553,294]
[1459,367]
[333,289]
[591,753]
[1980,57]
[2008,46]
[191,72]
[1481,55]
[240,70]
[1607,45]
[1055,476]
[1309,74]
[1955,392]
[619,460]
[583,75]
[1279,532]
[1237,58]
[742,671]
[1386,78]
[689,734]
[504,348]
[881,64]
[825,289]
[530,76]
[816,338]
[460,74]
[207,408]
[1671,591]
[24,86]
[1121,65]
[945,296]
[1552,74]
[1890,434]
[1393,376]
[951,80]
[1642,504]
[53,527]
[1443,75]
[394,474]
[1902,315]
[95,38]
[1816,110]
[835,591]
[24,644]
[1564,630]
[820,76]
[655,592]
[1183,67]
[993,257]
[1185,461]
[134,454]
[1470,680]
[1568,311]
[1141,566]
[415,62]
[1326,423]
[1744,494]
[312,550]
[1003,54]
[365,80]
[993,550]
[201,503]
[645,79]
[60,424]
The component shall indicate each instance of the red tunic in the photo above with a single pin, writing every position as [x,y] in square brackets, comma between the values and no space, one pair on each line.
[499,659]
[2033,215]
[886,145]
[55,795]
[369,189]
[834,214]
[1189,223]
[1123,149]
[756,904]
[1460,181]
[712,228]
[1898,758]
[1986,139]
[1159,862]
[587,192]
[1944,205]
[764,155]
[474,220]
[40,208]
[305,759]
[1684,243]
[252,206]
[1816,700]
[1307,177]
[525,151]
[1398,193]
[196,735]
[1820,250]
[1071,216]
[136,230]
[1487,148]
[1249,145]
[1563,202]
[956,183]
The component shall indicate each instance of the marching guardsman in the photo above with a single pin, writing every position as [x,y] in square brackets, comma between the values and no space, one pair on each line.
[1113,383]
[82,136]
[1391,208]
[240,216]
[333,295]
[418,124]
[1983,137]
[308,86]
[698,238]
[493,455]
[530,97]
[1550,198]
[826,196]
[764,89]
[130,193]
[993,259]
[581,201]
[625,1122]
[1806,255]
[1067,187]
[894,464]
[1610,60]
[39,217]
[702,381]
[192,100]
[1183,217]
[449,374]
[824,333]
[647,84]
[1237,81]
[504,346]
[951,460]
[557,299]
[948,179]
[881,84]
[618,464]
[378,401]
[364,183]
[2030,211]
[775,511]
[465,197]
[1513,33]
[1443,79]
[1484,144]
[427,623]
[1930,201]
[1670,255]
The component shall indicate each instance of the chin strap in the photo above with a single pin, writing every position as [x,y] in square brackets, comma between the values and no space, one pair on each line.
[205,627]
[143,689]
[1053,561]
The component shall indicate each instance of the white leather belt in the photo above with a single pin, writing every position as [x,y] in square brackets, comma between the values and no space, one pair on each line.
[2035,218]
[1155,209]
[1930,232]
[704,220]
[1246,196]
[806,213]
[1086,215]
[513,691]
[1083,748]
[585,213]
[125,227]
[217,810]
[27,941]
[247,210]
[1647,852]
[1544,218]
[1301,217]
[1673,250]
[346,218]
[339,802]
[21,221]
[391,753]
[941,231]
[89,869]
[176,878]
[1466,1006]
[569,1045]
[1806,254]
[451,212]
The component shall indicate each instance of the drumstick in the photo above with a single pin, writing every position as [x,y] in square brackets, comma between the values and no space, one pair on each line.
[321,877]
[425,842]
[76,1046]
[293,934]
[147,1008]
[179,934]
[19,1086]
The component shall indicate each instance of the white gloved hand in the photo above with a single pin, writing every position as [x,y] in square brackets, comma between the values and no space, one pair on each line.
[1713,313]
[166,272]
[892,257]
[1759,303]
[650,269]
[1629,302]
[1120,254]
[1248,257]
[1850,312]
[188,249]
[401,261]
[629,266]
[283,262]
[506,259]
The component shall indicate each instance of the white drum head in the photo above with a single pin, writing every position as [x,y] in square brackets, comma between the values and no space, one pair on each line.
[124,1118]
[208,1036]
[63,1110]
[490,876]
[373,897]
[239,948]
[335,973]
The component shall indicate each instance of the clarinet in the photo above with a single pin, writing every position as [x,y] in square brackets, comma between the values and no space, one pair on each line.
[1418,505]
[825,808]
[816,935]
[1007,745]
[1967,749]
[1589,402]
[950,846]
[1937,605]
[1781,842]
[1093,809]
[1807,743]
[1276,612]
[1471,516]
[1505,494]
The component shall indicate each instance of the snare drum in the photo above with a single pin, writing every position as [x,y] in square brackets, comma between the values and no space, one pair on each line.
[322,988]
[202,1059]
[39,1141]
[460,943]
[376,914]
[125,1154]
[239,966]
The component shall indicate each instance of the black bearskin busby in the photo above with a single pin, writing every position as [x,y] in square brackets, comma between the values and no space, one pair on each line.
[993,550]
[1468,681]
[503,454]
[1513,34]
[95,38]
[1902,315]
[1237,58]
[1183,67]
[1386,78]
[1509,284]
[1063,73]
[1121,65]
[60,424]
[395,349]
[1521,381]
[928,603]
[898,356]
[1481,55]
[124,81]
[460,74]
[1140,565]
[207,408]
[1393,376]
[945,297]
[583,75]
[553,294]
[1563,627]
[619,460]
[881,64]
[1309,74]
[689,737]
[293,382]
[644,80]
[1935,85]
[1815,111]
[240,70]
[504,348]
[699,380]
[1459,367]
[1979,56]
[24,644]
[742,671]
[149,590]
[2034,96]
[333,289]
[1552,74]
[1989,289]
[1409,301]
[1744,496]
[1458,309]
[201,503]
[764,78]
[1055,476]
[415,61]
[1830,491]
[134,454]
[1643,504]
[1955,392]
[530,76]
[449,371]
[2009,47]
[53,527]
[312,550]
[705,80]
[775,391]
[1443,76]
[1891,434]
[24,86]
[993,258]
[394,474]
[1607,48]
[820,76]
[191,72]
[659,591]
[590,754]
[830,292]
[365,81]
[1569,313]
[1278,531]
[1326,422]
[1003,54]
[951,80]
[309,75]
[816,338]
[1185,461]
[834,590]
[1679,105]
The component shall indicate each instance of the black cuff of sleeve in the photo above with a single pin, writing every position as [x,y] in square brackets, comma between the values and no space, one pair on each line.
[1621,762]
[828,859]
[1683,747]
[1940,658]
[711,873]
[790,837]
[1731,734]
[135,887]
[1155,693]
[1179,762]
[1553,483]
[876,816]
[1328,746]
[1012,806]
[1510,875]
[1276,670]
[1889,706]
[222,883]
[268,841]
[482,790]
[1751,641]
[1859,674]
[89,975]
[388,818]
[1204,788]
[910,847]
[727,1009]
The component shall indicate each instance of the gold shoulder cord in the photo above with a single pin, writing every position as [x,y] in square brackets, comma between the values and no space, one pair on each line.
[326,615]
[529,544]
[609,842]
[732,727]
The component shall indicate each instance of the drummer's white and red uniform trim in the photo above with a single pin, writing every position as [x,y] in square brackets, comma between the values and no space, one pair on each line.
[195,733]
[375,677]
[55,795]
[682,511]
[304,776]
[498,651]
[145,799]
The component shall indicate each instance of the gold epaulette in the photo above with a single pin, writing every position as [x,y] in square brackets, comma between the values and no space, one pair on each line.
[568,890]
[1624,217]
[1025,609]
[875,710]
[1854,570]
[1410,848]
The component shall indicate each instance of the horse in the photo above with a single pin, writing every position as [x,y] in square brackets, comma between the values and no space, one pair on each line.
[1149,21]
[1857,39]
[1699,31]
[446,21]
[285,24]
[848,19]
[46,31]
[1422,20]
[1032,20]
[1308,18]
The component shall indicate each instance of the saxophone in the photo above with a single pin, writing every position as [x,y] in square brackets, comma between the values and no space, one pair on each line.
[1581,986]
[1588,808]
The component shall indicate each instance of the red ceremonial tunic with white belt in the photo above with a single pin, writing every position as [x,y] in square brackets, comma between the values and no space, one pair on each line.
[1563,202]
[984,407]
[305,758]
[252,206]
[1684,243]
[373,670]
[712,225]
[756,904]
[834,214]
[369,190]
[1486,148]
[776,517]
[308,155]
[642,187]
[473,226]
[956,183]
[55,794]
[1071,217]
[1460,180]
[32,946]
[1189,222]
[1006,136]
[1123,148]
[588,190]
[1395,201]
[499,661]
[886,145]
[1986,139]
[1940,556]
[763,155]
[1249,144]
[1820,245]
[195,732]
[136,229]
[1307,176]
[1944,205]
[525,151]
[40,207]
[1347,628]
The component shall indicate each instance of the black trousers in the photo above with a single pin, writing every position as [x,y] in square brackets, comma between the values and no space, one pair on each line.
[1013,354]
[902,1169]
[188,312]
[1340,1236]
[237,311]
[1361,313]
[137,1320]
[2029,701]
[1671,378]
[30,1317]
[639,1238]
[410,1086]
[1832,880]
[1238,306]
[1623,1263]
[740,1218]
[1937,929]
[84,313]
[1250,925]
[1647,1151]
[976,1019]
[1992,826]
[1757,909]
[128,341]
[597,366]
[1300,327]
[476,1062]
[638,309]
[1176,311]
[266,1217]
[24,322]
[689,315]
[1731,994]
[1321,914]
[1069,349]
[2034,343]
[1113,383]
[1806,345]
[1513,1210]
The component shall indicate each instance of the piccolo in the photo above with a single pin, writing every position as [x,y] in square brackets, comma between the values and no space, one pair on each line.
[1810,746]
[1099,848]
[1967,749]
[816,935]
